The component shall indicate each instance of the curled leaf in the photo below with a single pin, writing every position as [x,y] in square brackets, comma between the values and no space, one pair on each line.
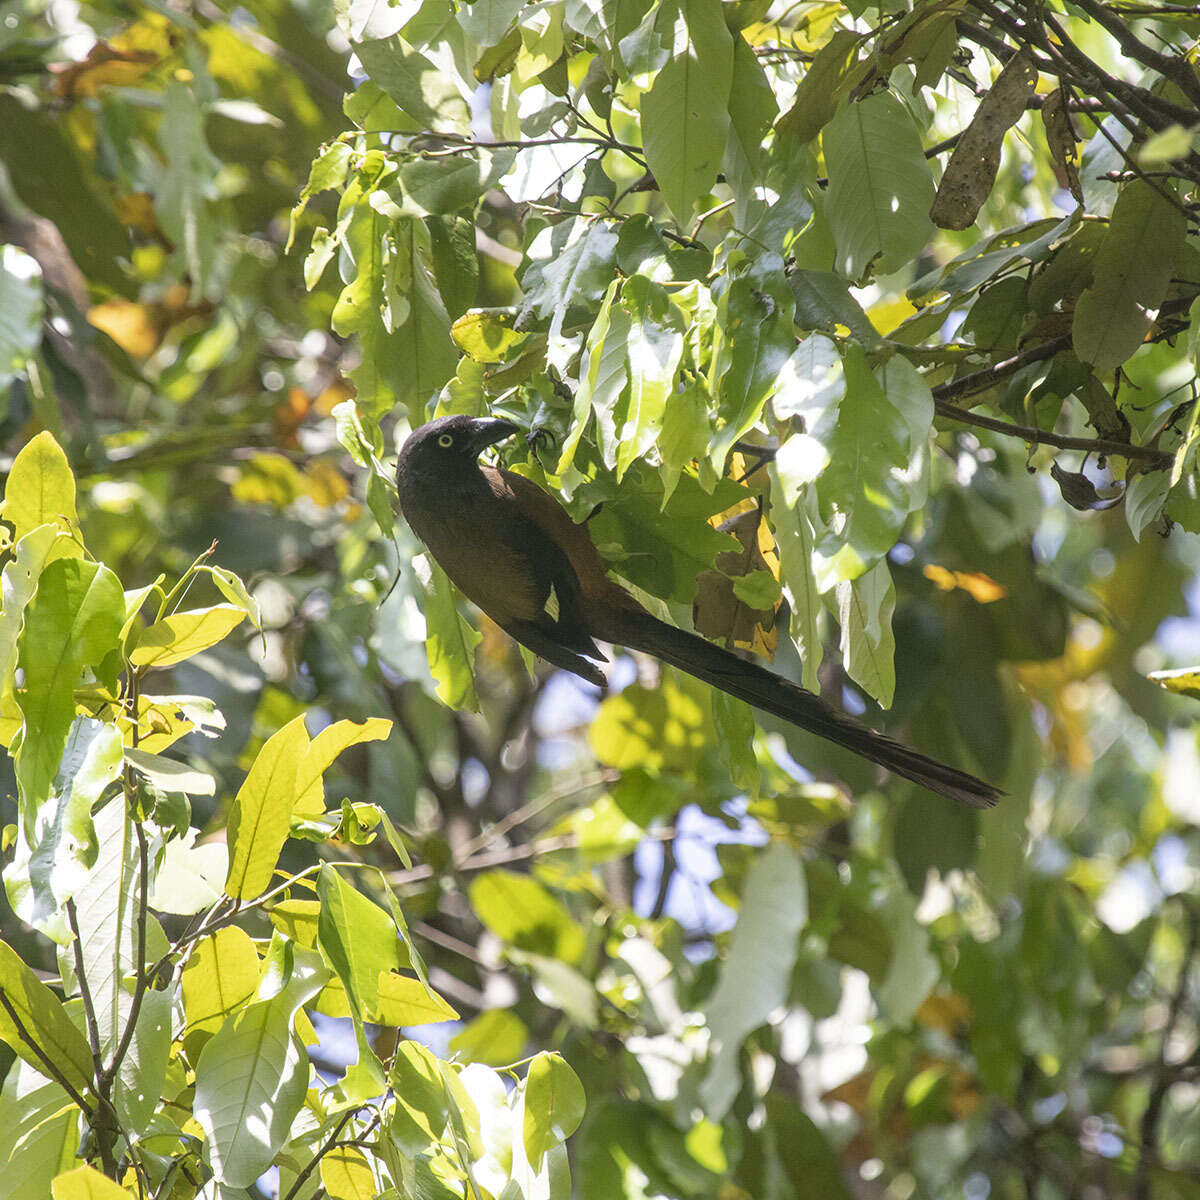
[971,171]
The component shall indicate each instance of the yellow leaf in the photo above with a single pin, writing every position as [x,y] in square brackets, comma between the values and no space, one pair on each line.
[183,634]
[325,747]
[40,488]
[221,975]
[980,587]
[346,1174]
[262,811]
[86,1183]
[1185,681]
[132,326]
[404,1000]
[297,919]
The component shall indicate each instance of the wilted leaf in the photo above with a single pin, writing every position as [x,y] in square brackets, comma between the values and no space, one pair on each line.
[971,172]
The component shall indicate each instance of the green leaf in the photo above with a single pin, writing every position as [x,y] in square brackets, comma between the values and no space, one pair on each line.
[329,170]
[806,1160]
[571,263]
[56,841]
[824,302]
[653,349]
[184,634]
[74,621]
[450,644]
[455,261]
[39,1125]
[554,1106]
[752,108]
[422,342]
[602,382]
[191,877]
[755,977]
[754,337]
[865,608]
[880,189]
[795,542]
[954,846]
[734,723]
[20,313]
[654,730]
[811,381]
[46,173]
[1132,269]
[822,87]
[169,774]
[18,583]
[427,94]
[1144,500]
[251,1079]
[685,435]
[422,1105]
[359,941]
[143,1072]
[40,489]
[262,811]
[230,586]
[28,1004]
[759,589]
[496,1038]
[188,185]
[863,492]
[346,1174]
[685,114]
[519,910]
[663,547]
[106,905]
[914,969]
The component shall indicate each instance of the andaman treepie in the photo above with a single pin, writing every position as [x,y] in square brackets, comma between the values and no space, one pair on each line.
[511,548]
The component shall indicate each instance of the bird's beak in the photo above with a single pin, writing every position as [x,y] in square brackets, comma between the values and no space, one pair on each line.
[487,431]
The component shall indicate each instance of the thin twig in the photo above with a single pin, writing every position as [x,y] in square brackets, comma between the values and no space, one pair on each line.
[315,1161]
[89,1008]
[527,811]
[1159,459]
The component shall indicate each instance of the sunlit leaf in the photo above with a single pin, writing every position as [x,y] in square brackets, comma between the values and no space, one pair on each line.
[184,634]
[262,811]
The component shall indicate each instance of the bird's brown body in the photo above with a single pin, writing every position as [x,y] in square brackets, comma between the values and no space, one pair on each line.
[513,550]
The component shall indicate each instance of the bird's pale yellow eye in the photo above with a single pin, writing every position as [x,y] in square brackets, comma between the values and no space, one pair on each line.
[445,441]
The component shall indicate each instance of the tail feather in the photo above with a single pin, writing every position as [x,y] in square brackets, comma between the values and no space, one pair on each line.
[767,691]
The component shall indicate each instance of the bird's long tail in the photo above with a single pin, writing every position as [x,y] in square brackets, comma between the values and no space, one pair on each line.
[765,690]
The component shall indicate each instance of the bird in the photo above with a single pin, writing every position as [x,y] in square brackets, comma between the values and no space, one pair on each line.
[513,550]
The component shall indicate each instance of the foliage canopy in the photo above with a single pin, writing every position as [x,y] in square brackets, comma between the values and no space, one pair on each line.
[866,337]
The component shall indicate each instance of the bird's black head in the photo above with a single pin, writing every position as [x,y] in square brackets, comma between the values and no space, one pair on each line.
[445,446]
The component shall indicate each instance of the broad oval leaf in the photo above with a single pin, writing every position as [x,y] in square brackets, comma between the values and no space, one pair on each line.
[29,1009]
[184,634]
[880,188]
[40,489]
[1143,246]
[262,811]
[554,1105]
